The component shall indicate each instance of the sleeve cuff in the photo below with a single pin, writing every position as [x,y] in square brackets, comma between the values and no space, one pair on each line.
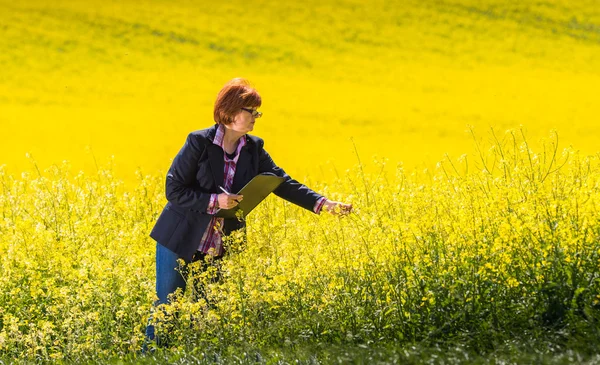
[319,204]
[212,204]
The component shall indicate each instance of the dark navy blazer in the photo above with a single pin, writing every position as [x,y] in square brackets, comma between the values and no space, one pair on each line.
[197,172]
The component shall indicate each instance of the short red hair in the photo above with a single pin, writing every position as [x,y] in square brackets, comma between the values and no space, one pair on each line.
[236,94]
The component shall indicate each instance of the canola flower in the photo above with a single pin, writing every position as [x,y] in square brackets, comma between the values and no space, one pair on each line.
[476,251]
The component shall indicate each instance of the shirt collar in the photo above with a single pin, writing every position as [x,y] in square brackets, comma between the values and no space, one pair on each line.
[220,134]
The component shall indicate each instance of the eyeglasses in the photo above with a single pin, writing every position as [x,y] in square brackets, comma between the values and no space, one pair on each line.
[255,113]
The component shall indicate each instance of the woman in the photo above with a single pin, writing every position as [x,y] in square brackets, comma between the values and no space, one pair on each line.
[221,156]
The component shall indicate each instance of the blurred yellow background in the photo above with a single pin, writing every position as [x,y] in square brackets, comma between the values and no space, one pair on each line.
[402,79]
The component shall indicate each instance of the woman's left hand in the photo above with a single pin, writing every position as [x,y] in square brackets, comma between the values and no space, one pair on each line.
[337,208]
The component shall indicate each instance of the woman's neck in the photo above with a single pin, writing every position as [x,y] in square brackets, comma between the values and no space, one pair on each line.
[231,139]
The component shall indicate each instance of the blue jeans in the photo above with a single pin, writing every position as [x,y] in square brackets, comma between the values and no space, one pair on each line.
[169,277]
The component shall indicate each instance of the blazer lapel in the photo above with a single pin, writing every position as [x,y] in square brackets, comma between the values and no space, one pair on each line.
[217,164]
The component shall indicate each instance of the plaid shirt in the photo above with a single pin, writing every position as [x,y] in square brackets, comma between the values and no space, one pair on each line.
[211,242]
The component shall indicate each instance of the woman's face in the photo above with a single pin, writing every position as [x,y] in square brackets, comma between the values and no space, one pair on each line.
[244,120]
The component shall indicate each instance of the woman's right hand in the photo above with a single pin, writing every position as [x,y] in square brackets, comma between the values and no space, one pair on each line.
[228,201]
[337,208]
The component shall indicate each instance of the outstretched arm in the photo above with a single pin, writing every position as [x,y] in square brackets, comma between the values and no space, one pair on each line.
[295,192]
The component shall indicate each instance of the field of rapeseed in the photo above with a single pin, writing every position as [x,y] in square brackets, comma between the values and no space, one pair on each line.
[492,251]
[474,253]
[132,78]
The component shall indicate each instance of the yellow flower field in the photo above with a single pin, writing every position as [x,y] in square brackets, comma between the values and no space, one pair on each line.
[403,80]
[482,257]
[475,223]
